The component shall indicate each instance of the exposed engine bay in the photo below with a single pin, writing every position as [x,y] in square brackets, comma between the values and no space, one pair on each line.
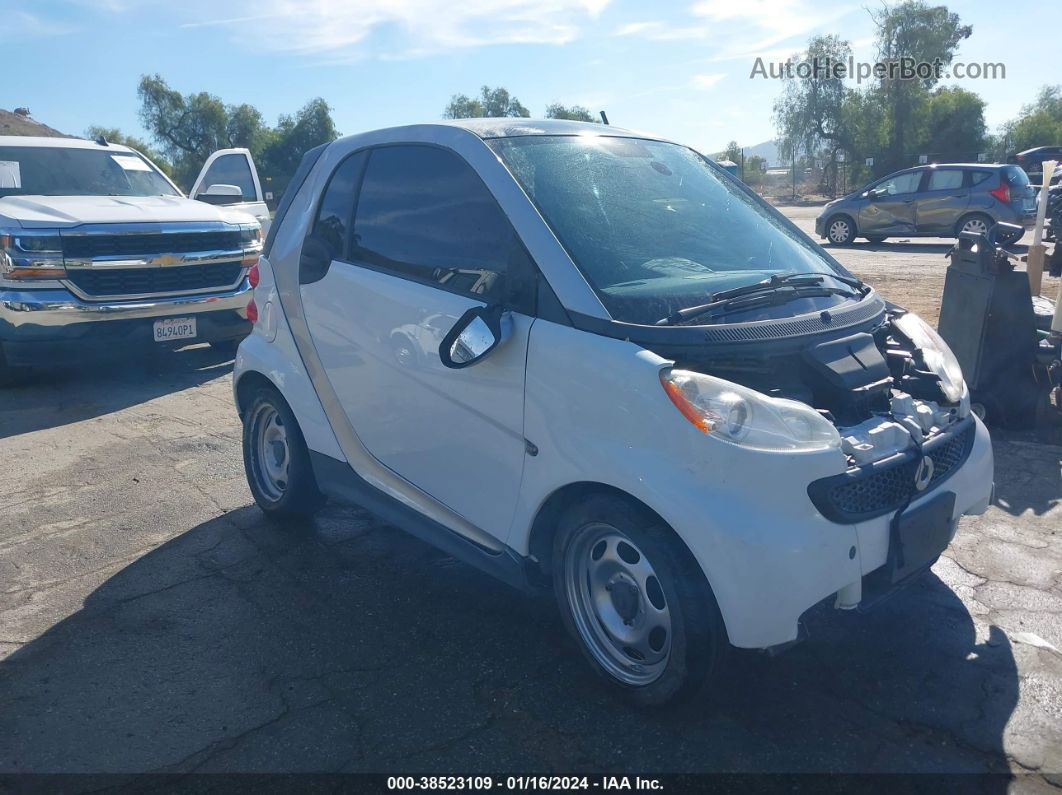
[881,388]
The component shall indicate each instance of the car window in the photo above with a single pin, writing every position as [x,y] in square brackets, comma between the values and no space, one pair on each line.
[901,183]
[945,179]
[423,213]
[653,226]
[230,170]
[332,224]
[977,177]
[70,171]
[1016,177]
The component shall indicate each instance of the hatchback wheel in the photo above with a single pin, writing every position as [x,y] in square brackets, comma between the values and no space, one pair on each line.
[636,602]
[839,230]
[276,459]
[978,224]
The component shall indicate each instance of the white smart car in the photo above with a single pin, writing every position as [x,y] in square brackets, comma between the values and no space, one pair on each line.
[583,358]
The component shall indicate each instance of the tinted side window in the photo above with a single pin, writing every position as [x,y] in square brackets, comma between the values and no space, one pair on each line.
[231,170]
[424,213]
[901,183]
[977,177]
[945,179]
[332,225]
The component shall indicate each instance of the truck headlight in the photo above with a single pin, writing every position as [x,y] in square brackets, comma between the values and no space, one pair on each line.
[31,254]
[742,416]
[936,353]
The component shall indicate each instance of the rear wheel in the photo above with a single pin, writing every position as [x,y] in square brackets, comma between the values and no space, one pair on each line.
[276,459]
[978,223]
[635,601]
[875,239]
[840,230]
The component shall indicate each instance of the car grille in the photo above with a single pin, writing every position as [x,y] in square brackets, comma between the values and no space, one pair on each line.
[151,281]
[88,246]
[867,492]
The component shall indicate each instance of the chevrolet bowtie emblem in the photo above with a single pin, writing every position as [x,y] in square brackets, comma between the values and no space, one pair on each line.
[167,259]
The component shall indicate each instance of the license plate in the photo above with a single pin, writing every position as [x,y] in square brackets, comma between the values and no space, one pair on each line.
[175,328]
[923,534]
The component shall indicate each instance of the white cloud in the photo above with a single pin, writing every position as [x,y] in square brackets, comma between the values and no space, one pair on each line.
[342,28]
[706,81]
[24,25]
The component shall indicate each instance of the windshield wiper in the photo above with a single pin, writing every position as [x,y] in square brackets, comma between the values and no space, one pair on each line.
[775,282]
[774,296]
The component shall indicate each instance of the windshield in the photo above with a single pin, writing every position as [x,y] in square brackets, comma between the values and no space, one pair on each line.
[653,226]
[61,171]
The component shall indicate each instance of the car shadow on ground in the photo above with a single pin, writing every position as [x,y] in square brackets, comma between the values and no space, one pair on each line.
[345,645]
[103,383]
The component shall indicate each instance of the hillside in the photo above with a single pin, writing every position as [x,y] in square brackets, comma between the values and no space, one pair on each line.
[14,124]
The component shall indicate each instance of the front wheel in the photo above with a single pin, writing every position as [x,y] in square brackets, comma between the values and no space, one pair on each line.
[977,223]
[840,230]
[276,459]
[635,601]
[875,239]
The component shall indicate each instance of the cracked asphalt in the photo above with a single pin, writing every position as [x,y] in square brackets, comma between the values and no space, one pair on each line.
[152,620]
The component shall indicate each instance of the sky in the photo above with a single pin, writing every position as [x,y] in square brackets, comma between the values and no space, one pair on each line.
[677,69]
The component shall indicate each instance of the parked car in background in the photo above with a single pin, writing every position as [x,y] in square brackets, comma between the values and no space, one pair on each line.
[931,201]
[99,249]
[584,359]
[1032,161]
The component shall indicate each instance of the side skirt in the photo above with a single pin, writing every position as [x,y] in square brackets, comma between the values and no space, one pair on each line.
[338,480]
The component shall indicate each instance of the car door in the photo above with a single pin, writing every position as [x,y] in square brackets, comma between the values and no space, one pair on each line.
[428,242]
[233,167]
[942,201]
[890,207]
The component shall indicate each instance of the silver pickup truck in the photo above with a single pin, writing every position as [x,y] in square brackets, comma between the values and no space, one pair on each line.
[99,249]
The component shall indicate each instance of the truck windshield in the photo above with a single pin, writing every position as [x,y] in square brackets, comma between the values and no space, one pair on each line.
[63,171]
[654,227]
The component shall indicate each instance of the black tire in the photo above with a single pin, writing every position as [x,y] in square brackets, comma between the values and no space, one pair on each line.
[298,496]
[840,230]
[875,239]
[698,641]
[974,219]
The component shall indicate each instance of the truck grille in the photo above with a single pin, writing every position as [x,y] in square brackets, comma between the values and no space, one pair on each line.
[867,492]
[88,246]
[150,281]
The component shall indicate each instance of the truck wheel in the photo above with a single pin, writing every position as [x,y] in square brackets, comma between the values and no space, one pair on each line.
[636,601]
[276,459]
[840,230]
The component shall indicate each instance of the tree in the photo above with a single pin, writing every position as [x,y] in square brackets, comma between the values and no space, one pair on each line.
[491,103]
[292,138]
[189,127]
[115,136]
[953,126]
[908,34]
[731,153]
[812,113]
[572,113]
[1040,124]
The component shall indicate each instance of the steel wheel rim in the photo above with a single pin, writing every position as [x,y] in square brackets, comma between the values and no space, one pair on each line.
[839,231]
[270,452]
[975,225]
[617,604]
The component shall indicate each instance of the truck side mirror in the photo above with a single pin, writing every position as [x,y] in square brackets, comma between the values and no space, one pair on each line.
[220,193]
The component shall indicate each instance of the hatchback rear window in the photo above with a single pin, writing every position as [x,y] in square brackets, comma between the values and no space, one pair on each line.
[1016,176]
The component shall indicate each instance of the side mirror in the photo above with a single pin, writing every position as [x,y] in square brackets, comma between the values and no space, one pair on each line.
[221,194]
[476,333]
[876,193]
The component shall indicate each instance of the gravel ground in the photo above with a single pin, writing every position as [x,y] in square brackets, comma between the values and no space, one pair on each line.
[152,620]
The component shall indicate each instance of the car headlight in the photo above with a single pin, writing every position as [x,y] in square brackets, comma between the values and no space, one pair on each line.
[745,417]
[936,353]
[31,254]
